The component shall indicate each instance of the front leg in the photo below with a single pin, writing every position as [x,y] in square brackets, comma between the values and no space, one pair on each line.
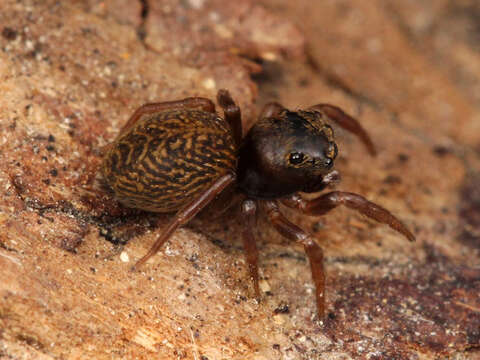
[347,122]
[327,202]
[312,249]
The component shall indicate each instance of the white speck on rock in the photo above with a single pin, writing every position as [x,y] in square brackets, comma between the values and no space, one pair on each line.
[124,256]
[209,83]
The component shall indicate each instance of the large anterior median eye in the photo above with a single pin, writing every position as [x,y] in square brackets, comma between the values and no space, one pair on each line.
[296,158]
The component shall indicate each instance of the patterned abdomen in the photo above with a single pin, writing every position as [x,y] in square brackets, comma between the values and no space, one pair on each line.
[166,159]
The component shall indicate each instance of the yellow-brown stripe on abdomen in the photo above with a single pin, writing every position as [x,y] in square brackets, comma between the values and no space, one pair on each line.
[163,173]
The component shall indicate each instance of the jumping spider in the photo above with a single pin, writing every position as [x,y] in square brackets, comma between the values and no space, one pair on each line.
[180,155]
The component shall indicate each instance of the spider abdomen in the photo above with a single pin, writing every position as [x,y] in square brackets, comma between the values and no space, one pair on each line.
[167,158]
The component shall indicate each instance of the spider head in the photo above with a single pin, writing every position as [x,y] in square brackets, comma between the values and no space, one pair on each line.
[286,153]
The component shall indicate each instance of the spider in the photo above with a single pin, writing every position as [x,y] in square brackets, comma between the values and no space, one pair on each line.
[180,155]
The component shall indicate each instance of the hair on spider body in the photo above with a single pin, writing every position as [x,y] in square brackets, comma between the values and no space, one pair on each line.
[180,155]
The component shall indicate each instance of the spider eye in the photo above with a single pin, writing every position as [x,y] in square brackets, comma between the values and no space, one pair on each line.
[328,163]
[296,158]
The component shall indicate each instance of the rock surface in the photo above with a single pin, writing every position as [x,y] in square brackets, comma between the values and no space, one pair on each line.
[71,73]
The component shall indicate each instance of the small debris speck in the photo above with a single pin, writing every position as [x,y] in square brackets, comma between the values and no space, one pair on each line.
[9,33]
[209,83]
[124,256]
[282,309]
[264,285]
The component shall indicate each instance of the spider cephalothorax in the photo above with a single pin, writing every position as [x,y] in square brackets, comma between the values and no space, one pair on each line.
[285,153]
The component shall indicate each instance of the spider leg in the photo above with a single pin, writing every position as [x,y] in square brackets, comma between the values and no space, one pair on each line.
[346,122]
[232,114]
[312,249]
[324,203]
[271,110]
[185,214]
[249,209]
[151,108]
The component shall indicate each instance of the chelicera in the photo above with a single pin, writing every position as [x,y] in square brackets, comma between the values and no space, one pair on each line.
[181,155]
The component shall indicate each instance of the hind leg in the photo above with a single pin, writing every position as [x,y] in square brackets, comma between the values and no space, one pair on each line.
[198,103]
[232,114]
